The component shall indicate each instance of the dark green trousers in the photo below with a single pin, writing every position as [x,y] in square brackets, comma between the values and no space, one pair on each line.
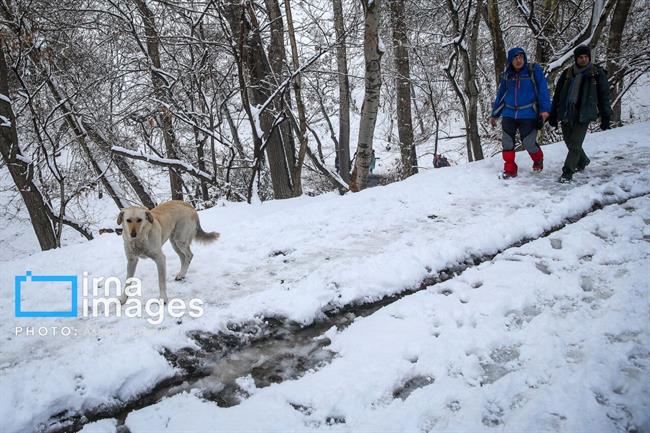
[574,135]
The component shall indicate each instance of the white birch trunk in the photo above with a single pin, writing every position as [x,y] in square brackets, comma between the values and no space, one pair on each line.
[372,52]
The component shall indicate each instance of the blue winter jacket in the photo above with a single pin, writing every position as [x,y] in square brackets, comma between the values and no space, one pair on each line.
[516,97]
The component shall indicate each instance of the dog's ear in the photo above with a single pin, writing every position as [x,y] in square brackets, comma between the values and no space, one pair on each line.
[120,217]
[149,217]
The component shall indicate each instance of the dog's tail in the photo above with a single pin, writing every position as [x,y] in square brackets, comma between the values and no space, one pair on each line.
[204,237]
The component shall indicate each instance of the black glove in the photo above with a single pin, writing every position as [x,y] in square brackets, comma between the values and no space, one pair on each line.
[540,122]
[605,124]
[552,120]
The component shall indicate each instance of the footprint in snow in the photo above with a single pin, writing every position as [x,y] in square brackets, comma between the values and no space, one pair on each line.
[586,283]
[554,422]
[404,391]
[516,319]
[335,419]
[543,267]
[305,410]
[556,243]
[79,385]
[492,414]
[445,291]
[454,405]
[502,360]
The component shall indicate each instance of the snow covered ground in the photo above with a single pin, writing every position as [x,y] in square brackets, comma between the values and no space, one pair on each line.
[550,336]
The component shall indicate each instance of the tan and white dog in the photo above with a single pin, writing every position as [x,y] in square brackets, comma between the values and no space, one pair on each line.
[146,231]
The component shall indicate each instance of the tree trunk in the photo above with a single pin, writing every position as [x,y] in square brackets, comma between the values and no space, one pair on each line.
[198,102]
[258,91]
[597,10]
[372,52]
[403,89]
[19,169]
[233,14]
[161,91]
[343,149]
[470,66]
[277,61]
[498,46]
[542,47]
[614,63]
[297,90]
[465,51]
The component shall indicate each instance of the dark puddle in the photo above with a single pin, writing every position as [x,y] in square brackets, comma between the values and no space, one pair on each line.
[285,356]
[260,353]
[264,351]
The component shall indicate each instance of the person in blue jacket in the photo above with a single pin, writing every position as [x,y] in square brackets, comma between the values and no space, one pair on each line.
[524,103]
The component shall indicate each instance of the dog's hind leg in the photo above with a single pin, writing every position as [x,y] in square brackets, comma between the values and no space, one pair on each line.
[181,255]
[185,254]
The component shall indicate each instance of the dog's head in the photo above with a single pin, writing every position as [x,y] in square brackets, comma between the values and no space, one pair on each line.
[134,220]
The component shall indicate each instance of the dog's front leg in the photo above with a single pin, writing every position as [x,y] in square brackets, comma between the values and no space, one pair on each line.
[131,264]
[160,260]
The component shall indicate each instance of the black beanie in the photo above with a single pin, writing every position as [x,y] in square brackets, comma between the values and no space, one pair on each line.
[580,50]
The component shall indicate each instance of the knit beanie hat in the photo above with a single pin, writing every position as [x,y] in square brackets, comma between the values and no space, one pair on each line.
[580,50]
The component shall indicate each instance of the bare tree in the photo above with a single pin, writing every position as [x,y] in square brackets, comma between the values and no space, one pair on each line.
[297,90]
[277,60]
[373,49]
[614,60]
[403,88]
[20,167]
[343,147]
[548,14]
[259,93]
[465,45]
[161,90]
[491,15]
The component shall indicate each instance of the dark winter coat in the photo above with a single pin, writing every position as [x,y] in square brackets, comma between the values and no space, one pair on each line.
[593,97]
[517,96]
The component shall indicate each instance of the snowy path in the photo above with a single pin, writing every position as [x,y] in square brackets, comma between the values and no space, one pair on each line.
[293,260]
[552,336]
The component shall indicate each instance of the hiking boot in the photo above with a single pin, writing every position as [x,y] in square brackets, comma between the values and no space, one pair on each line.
[581,167]
[538,160]
[565,179]
[509,165]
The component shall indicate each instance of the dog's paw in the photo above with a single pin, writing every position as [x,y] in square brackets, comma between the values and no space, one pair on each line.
[179,277]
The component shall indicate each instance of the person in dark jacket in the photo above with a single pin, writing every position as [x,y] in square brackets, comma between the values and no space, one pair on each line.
[581,95]
[524,103]
[440,161]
